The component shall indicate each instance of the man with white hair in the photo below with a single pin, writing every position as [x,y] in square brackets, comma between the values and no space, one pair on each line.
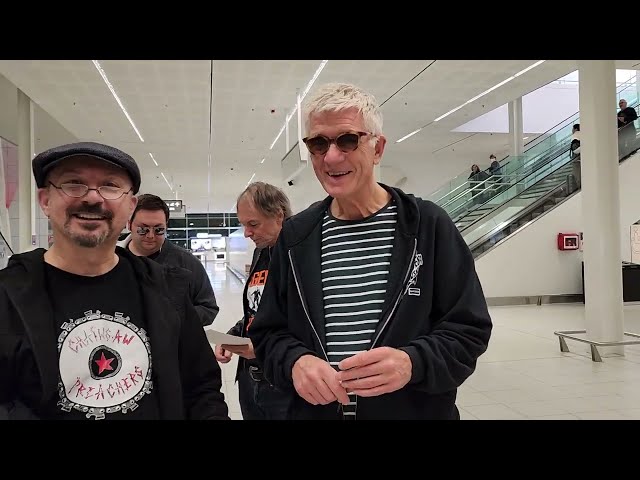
[372,308]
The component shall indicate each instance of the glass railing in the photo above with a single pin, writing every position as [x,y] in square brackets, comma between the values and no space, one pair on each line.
[516,198]
[543,145]
[493,191]
[5,252]
[546,181]
[489,193]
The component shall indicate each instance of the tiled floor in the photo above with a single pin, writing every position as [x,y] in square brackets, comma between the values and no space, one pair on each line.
[523,374]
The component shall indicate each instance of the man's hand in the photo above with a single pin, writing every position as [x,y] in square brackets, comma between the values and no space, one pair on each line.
[245,351]
[375,372]
[316,381]
[222,355]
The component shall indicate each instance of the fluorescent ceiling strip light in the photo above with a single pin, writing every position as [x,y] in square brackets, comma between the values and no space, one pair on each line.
[251,179]
[262,161]
[449,112]
[529,68]
[540,62]
[409,135]
[115,95]
[491,89]
[315,77]
[304,94]
[277,136]
[165,179]
[154,160]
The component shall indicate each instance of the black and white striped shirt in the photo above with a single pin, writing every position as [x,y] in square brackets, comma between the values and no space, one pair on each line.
[356,255]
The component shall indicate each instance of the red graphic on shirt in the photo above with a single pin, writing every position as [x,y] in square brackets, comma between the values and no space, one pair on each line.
[254,293]
[104,364]
[101,390]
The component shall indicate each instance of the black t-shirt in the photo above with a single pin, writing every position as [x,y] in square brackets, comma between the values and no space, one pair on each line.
[104,352]
[153,256]
[255,287]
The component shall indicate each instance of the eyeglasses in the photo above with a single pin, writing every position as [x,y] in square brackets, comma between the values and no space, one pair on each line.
[145,230]
[77,190]
[346,142]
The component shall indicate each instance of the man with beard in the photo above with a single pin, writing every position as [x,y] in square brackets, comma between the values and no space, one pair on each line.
[81,322]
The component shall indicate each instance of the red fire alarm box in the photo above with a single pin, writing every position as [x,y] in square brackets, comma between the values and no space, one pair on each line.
[568,241]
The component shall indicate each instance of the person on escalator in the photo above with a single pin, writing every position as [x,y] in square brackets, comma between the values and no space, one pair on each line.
[498,180]
[477,185]
[574,150]
[626,129]
[494,168]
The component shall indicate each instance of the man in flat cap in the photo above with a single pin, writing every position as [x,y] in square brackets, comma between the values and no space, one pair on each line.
[91,331]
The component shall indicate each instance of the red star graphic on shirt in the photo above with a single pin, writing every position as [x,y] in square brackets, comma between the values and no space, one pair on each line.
[104,364]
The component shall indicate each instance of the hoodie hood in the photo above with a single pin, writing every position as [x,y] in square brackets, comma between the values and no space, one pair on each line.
[302,224]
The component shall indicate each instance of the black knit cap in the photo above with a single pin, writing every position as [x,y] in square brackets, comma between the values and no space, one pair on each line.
[45,161]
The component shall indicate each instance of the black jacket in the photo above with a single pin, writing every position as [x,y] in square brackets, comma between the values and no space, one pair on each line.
[187,378]
[629,114]
[434,310]
[200,290]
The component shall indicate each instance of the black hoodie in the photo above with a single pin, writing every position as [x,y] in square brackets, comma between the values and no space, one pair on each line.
[187,378]
[434,310]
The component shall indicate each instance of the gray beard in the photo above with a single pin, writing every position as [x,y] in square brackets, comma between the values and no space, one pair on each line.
[87,240]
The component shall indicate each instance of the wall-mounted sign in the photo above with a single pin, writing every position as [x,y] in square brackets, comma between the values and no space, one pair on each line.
[174,205]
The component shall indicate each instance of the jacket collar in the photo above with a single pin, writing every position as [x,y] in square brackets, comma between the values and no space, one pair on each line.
[303,223]
[303,238]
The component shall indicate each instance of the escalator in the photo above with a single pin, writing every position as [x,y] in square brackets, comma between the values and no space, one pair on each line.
[5,252]
[539,193]
[468,201]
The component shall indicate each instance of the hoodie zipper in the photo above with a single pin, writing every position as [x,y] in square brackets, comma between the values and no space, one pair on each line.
[304,306]
[403,291]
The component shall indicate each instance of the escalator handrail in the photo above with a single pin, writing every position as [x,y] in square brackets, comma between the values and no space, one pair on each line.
[525,211]
[561,152]
[6,243]
[506,224]
[505,161]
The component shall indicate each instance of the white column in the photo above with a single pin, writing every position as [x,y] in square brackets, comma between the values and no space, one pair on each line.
[601,203]
[25,232]
[516,132]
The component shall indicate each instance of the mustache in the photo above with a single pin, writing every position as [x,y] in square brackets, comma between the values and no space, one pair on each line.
[92,210]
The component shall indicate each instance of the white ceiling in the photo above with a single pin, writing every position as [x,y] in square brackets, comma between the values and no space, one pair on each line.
[169,101]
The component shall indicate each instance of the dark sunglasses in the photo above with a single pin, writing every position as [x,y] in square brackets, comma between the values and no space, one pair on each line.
[346,142]
[145,230]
